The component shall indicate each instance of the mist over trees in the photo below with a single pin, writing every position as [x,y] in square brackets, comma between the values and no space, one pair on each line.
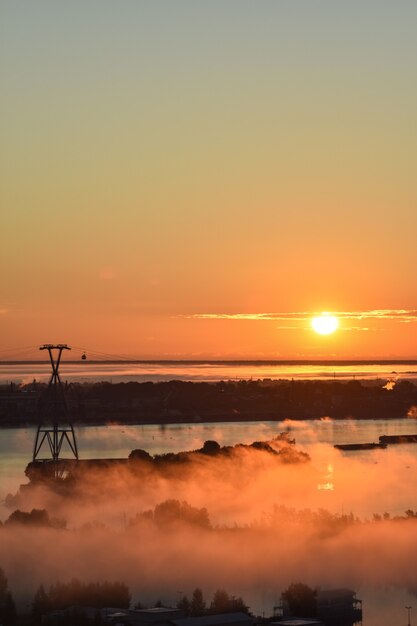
[76,593]
[173,512]
[35,518]
[140,464]
[231,516]
[171,515]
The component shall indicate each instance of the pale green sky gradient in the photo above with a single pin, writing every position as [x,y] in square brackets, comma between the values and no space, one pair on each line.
[167,158]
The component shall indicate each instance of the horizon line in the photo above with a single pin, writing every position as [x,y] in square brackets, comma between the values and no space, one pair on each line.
[283,361]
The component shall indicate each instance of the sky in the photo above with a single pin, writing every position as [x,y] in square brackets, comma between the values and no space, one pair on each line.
[197,179]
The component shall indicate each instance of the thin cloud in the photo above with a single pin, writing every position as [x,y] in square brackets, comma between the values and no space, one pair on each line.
[400,315]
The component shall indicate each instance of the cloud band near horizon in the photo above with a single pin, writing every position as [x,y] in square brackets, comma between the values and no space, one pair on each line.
[402,315]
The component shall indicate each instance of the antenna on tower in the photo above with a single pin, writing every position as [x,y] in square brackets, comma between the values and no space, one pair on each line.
[54,428]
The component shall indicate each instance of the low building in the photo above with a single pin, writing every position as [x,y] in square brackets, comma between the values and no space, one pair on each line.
[338,607]
[156,616]
[223,619]
[298,621]
[161,616]
[332,607]
[71,614]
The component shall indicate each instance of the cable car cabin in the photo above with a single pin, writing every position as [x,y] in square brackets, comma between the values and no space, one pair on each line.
[84,356]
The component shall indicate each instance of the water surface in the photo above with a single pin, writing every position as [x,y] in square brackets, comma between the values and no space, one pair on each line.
[210,371]
[117,441]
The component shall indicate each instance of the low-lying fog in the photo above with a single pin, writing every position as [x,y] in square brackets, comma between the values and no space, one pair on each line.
[271,523]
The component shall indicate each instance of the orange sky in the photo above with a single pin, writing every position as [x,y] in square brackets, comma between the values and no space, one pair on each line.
[162,160]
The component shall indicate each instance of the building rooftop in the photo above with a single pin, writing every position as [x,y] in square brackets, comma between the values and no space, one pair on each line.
[335,593]
[156,610]
[213,620]
[298,621]
[156,615]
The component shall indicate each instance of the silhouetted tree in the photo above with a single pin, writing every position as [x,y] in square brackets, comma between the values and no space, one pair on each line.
[224,603]
[140,455]
[197,605]
[40,605]
[238,605]
[220,602]
[37,517]
[99,595]
[301,600]
[185,605]
[8,614]
[7,606]
[172,512]
[210,447]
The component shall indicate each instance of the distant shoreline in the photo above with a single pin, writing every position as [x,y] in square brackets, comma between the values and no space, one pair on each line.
[324,362]
[226,419]
[176,401]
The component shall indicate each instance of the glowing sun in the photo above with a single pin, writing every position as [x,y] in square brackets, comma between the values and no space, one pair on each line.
[325,324]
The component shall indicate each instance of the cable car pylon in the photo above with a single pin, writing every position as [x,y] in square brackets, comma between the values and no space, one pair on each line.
[54,428]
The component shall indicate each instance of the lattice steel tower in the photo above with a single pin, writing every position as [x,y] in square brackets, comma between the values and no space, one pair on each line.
[55,428]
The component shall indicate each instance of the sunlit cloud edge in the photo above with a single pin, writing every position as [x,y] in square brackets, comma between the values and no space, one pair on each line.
[400,315]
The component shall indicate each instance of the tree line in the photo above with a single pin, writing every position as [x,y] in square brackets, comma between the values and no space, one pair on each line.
[61,596]
[76,593]
[221,602]
[181,401]
[170,514]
